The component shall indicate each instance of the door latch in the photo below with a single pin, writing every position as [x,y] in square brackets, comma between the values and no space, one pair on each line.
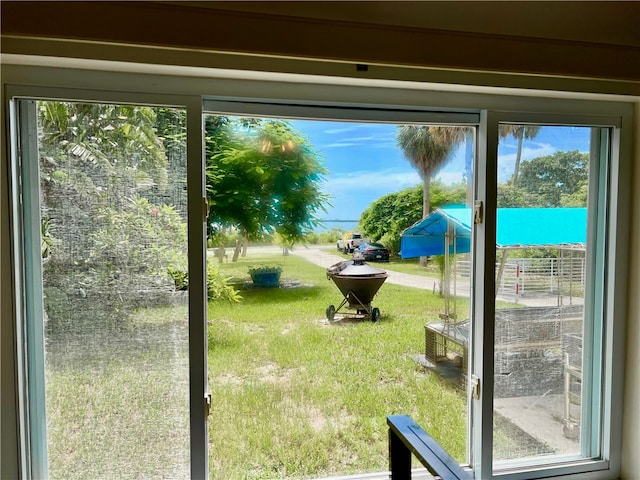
[207,405]
[478,212]
[205,209]
[475,387]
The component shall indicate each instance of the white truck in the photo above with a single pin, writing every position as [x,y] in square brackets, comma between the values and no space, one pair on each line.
[350,241]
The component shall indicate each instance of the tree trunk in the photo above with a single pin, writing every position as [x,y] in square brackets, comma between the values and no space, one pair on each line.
[500,272]
[426,183]
[468,167]
[220,252]
[245,245]
[516,169]
[238,249]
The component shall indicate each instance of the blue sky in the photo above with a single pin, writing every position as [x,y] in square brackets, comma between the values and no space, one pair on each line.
[365,164]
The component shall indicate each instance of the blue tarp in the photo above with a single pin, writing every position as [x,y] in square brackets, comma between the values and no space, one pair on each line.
[516,227]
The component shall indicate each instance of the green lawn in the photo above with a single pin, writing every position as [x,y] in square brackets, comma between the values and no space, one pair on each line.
[294,396]
[118,400]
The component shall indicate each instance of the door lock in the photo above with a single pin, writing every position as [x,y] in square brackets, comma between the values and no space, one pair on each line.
[475,387]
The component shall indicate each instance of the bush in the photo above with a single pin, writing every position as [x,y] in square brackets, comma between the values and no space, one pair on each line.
[218,287]
[319,238]
[180,278]
[392,242]
[100,272]
[265,269]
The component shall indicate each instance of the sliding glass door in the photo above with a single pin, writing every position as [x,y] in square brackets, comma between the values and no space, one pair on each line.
[108,313]
[543,321]
[495,329]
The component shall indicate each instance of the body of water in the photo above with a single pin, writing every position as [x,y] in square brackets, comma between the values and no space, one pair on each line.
[346,225]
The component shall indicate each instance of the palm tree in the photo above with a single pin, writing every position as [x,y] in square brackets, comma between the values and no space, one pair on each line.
[519,132]
[427,148]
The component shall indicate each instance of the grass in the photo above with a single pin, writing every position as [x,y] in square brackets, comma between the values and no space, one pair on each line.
[117,403]
[295,397]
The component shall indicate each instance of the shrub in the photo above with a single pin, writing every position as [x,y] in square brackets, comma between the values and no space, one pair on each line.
[218,287]
[392,242]
[316,238]
[117,262]
[180,278]
[265,269]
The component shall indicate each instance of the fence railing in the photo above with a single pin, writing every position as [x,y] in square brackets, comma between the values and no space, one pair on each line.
[407,438]
[560,276]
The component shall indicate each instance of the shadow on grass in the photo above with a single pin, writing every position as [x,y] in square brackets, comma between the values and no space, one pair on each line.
[303,293]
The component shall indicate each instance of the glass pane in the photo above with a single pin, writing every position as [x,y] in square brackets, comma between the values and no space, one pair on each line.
[114,253]
[303,369]
[544,201]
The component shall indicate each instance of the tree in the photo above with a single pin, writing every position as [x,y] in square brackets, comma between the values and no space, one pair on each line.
[172,130]
[553,178]
[111,233]
[512,196]
[558,180]
[392,213]
[386,218]
[519,132]
[262,178]
[427,148]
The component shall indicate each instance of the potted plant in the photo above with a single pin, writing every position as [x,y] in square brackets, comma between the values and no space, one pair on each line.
[266,276]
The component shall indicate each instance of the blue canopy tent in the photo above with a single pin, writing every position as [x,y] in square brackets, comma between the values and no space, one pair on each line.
[447,231]
[516,228]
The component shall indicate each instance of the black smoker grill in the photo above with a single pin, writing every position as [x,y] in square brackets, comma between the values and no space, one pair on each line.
[358,283]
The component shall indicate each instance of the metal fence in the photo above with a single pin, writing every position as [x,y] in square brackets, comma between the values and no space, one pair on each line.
[563,276]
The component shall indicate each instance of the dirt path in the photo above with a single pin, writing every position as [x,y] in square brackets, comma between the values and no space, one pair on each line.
[325,259]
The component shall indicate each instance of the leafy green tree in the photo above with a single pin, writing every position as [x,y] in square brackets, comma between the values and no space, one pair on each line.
[172,131]
[386,218]
[556,179]
[519,132]
[110,231]
[262,178]
[576,199]
[96,136]
[317,238]
[512,196]
[443,195]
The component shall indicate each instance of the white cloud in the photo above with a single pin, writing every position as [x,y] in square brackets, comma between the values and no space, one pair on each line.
[540,150]
[350,128]
[368,144]
[333,131]
[340,144]
[384,145]
[506,163]
[363,139]
[369,141]
[372,181]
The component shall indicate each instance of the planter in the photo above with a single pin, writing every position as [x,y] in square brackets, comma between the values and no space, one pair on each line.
[265,279]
